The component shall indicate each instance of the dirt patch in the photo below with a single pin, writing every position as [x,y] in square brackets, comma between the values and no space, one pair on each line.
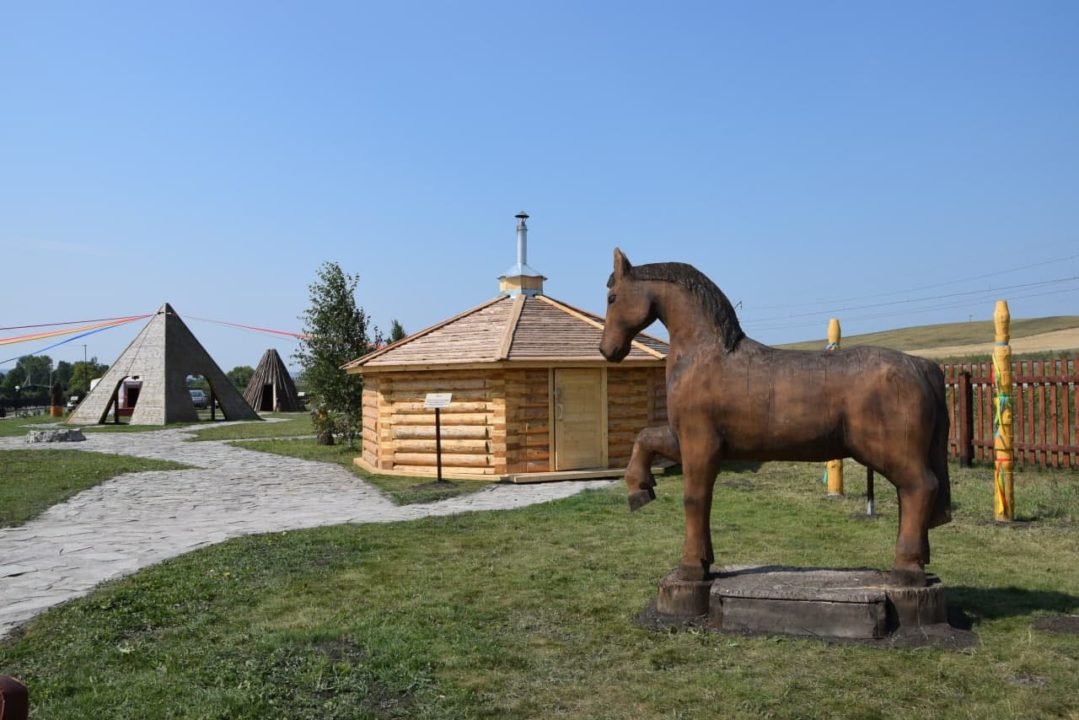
[1027,680]
[342,650]
[1059,624]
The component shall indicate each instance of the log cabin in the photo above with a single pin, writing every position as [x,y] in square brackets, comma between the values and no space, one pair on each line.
[532,397]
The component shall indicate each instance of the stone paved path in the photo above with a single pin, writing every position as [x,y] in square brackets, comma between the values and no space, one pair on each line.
[139,519]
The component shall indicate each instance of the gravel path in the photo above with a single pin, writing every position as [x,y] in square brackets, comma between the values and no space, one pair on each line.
[139,519]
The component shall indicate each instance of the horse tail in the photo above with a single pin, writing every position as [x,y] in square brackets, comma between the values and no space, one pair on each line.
[938,447]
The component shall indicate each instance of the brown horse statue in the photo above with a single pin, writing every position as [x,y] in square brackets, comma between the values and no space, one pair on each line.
[730,397]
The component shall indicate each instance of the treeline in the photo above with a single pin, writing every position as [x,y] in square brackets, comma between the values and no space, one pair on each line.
[30,382]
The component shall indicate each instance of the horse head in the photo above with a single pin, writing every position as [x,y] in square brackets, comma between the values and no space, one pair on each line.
[629,310]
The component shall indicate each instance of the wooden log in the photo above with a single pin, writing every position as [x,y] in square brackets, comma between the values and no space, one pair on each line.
[475,419]
[448,446]
[449,460]
[419,396]
[406,408]
[462,432]
[14,699]
[444,383]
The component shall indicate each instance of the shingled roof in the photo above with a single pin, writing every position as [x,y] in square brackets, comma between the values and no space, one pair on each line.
[517,328]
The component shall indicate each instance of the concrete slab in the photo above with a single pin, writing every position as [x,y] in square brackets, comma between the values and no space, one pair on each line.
[829,602]
[833,603]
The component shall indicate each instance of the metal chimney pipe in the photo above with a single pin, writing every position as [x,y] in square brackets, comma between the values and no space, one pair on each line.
[522,239]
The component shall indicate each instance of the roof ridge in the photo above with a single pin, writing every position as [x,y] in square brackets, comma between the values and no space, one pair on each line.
[592,320]
[511,327]
[363,359]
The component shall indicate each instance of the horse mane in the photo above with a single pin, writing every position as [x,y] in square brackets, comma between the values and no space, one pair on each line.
[715,304]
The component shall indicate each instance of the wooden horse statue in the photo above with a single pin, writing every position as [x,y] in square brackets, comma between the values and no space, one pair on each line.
[730,397]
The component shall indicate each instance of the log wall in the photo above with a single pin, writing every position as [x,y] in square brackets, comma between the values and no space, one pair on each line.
[473,426]
[498,422]
[528,445]
[636,398]
[370,420]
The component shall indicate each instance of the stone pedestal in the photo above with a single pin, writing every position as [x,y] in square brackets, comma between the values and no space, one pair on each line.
[818,602]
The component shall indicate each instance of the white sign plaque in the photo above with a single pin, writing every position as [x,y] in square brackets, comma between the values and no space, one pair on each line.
[437,400]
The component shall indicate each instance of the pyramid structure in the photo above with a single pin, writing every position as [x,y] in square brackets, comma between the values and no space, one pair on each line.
[162,356]
[271,388]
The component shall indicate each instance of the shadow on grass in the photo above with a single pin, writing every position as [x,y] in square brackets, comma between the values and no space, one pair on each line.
[979,603]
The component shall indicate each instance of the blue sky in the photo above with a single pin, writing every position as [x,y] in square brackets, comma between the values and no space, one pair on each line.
[812,158]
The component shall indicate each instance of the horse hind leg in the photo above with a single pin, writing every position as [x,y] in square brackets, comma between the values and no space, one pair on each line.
[917,490]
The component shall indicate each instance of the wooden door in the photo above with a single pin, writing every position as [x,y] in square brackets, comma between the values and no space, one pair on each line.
[578,414]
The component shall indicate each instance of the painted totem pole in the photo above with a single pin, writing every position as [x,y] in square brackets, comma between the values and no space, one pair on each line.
[834,468]
[1003,438]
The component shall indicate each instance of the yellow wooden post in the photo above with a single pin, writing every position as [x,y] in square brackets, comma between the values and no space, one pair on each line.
[1003,438]
[834,468]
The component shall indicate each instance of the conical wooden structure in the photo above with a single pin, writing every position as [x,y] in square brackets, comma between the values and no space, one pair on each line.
[162,356]
[271,388]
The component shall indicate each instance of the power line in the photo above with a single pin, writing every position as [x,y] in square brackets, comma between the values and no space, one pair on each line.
[928,298]
[57,324]
[947,283]
[909,311]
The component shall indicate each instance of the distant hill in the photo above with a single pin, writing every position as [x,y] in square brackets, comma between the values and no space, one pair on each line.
[966,338]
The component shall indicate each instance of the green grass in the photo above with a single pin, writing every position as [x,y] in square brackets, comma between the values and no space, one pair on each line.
[401,490]
[16,426]
[291,425]
[530,614]
[930,336]
[31,481]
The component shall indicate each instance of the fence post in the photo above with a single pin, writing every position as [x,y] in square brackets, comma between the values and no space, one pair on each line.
[1003,448]
[834,468]
[965,436]
[14,699]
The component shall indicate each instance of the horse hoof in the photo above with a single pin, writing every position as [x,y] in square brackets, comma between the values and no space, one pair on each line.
[907,578]
[641,498]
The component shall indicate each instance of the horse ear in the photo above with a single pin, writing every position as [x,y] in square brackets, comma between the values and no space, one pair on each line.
[621,264]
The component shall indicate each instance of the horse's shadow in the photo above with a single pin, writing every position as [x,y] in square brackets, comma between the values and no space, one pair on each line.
[969,605]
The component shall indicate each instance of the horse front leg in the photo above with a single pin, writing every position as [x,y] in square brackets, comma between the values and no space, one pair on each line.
[700,464]
[640,481]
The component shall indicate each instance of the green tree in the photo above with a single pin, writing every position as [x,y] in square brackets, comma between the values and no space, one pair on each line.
[81,375]
[337,332]
[63,372]
[397,332]
[240,376]
[31,375]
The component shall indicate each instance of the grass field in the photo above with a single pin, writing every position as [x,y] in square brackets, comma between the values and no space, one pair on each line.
[401,490]
[288,425]
[530,614]
[291,425]
[930,336]
[31,481]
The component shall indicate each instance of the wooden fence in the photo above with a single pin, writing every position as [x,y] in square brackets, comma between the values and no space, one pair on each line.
[1045,405]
